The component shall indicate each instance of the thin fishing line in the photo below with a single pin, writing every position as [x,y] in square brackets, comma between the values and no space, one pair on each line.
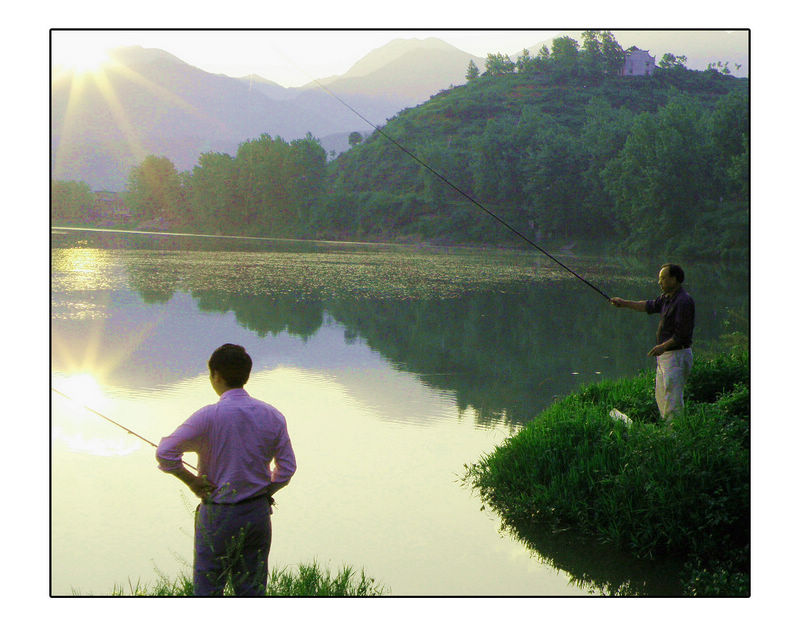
[113,422]
[457,189]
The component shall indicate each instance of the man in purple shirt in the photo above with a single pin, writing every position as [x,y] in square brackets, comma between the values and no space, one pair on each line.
[236,440]
[673,350]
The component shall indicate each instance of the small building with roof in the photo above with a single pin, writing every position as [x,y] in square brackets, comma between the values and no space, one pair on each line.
[638,63]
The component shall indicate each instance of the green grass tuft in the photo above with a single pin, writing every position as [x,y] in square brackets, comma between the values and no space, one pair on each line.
[307,580]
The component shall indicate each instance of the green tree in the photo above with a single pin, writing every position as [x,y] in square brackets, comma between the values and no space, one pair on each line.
[660,180]
[472,71]
[261,185]
[153,189]
[354,138]
[602,137]
[542,60]
[213,193]
[499,64]
[613,54]
[565,56]
[729,130]
[524,62]
[71,200]
[553,182]
[669,61]
[592,53]
[305,178]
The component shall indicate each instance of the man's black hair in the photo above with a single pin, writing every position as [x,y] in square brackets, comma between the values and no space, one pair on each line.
[232,363]
[675,271]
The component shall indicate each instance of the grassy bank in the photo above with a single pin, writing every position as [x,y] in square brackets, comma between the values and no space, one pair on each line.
[649,489]
[307,580]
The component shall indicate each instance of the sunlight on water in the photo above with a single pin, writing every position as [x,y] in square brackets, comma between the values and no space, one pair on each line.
[394,368]
[80,269]
[80,429]
[81,388]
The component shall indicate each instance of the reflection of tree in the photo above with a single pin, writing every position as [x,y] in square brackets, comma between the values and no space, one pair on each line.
[600,568]
[505,351]
[153,281]
[504,354]
[267,314]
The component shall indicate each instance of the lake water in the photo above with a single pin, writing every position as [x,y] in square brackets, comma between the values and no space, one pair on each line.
[394,365]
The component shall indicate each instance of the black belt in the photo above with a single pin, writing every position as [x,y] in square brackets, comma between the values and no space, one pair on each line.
[249,499]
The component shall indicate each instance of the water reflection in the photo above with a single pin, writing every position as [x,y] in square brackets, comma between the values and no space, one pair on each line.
[599,568]
[502,332]
[398,366]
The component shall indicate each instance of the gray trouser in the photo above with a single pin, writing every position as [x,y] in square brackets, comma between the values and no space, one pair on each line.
[232,541]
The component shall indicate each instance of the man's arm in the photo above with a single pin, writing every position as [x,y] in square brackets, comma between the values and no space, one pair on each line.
[198,484]
[636,305]
[285,463]
[274,487]
[664,346]
[170,450]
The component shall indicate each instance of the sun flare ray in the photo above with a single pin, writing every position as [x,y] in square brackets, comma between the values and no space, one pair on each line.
[100,84]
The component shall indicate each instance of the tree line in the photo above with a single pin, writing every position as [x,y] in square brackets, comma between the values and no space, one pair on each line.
[268,188]
[600,55]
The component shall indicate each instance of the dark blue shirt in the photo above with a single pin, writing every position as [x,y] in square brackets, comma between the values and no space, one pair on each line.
[677,318]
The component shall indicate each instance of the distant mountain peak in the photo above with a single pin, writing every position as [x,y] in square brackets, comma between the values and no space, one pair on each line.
[138,54]
[255,78]
[380,57]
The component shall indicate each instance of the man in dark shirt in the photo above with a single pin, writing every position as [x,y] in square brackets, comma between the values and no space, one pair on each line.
[673,350]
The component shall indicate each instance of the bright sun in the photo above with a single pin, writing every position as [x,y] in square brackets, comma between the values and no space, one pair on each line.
[81,58]
[82,388]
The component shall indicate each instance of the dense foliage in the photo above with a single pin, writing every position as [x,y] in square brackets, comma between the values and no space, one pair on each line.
[650,489]
[559,145]
[71,200]
[268,188]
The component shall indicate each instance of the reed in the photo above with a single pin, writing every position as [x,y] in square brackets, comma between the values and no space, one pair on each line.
[649,488]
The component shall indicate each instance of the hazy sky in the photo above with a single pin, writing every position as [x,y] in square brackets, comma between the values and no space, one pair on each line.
[289,57]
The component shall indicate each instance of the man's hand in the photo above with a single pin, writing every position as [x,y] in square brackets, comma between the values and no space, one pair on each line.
[201,486]
[636,305]
[657,350]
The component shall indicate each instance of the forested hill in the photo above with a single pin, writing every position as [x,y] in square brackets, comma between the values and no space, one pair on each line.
[651,162]
[559,146]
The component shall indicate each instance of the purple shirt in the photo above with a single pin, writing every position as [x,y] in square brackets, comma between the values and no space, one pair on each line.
[235,440]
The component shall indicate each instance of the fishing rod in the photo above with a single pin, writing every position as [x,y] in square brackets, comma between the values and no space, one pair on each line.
[97,413]
[463,193]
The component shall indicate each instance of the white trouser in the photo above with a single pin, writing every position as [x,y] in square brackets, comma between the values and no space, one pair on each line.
[672,370]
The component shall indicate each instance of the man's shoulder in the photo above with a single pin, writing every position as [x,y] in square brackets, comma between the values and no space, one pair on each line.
[266,407]
[201,416]
[683,295]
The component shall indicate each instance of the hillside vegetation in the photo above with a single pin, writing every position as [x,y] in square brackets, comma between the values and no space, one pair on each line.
[558,145]
[657,161]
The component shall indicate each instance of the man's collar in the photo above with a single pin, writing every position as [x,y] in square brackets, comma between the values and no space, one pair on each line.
[675,293]
[233,392]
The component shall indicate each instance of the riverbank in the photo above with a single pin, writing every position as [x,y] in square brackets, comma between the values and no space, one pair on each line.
[652,490]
